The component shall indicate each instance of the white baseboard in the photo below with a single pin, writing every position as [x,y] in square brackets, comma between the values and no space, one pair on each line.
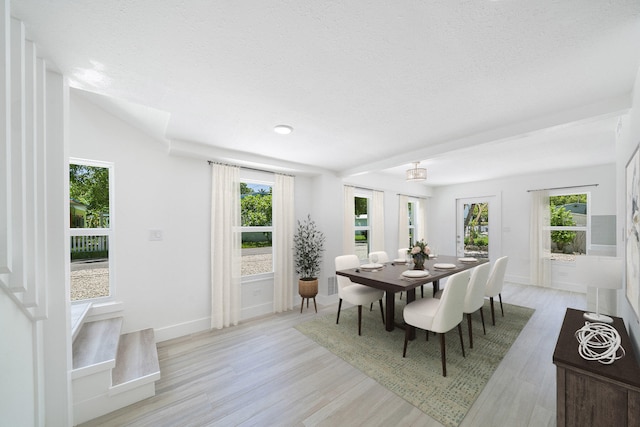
[518,280]
[256,311]
[182,329]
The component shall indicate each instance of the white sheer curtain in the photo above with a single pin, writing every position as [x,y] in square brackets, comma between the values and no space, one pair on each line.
[348,224]
[284,223]
[377,221]
[540,239]
[421,220]
[403,222]
[225,246]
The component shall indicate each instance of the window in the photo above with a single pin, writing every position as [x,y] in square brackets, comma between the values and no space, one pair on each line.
[91,229]
[257,228]
[362,227]
[569,222]
[412,208]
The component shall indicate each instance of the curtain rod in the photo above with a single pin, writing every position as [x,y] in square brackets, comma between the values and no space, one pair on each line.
[563,188]
[361,188]
[211,162]
[412,195]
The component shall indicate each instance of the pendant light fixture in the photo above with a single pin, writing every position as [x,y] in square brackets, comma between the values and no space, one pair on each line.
[416,173]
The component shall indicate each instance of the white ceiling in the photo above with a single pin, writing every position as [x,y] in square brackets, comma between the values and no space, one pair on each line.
[474,90]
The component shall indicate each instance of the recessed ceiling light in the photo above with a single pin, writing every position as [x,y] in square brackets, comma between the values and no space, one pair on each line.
[283,129]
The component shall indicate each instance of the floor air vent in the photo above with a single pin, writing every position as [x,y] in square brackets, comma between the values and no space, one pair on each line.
[332,287]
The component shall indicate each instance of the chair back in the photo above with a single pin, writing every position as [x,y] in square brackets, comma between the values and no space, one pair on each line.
[382,256]
[449,312]
[496,278]
[474,299]
[402,253]
[344,262]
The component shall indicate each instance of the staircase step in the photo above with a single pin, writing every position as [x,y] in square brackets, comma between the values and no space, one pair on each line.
[96,346]
[137,360]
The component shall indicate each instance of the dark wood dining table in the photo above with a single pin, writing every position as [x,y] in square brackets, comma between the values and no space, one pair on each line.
[389,278]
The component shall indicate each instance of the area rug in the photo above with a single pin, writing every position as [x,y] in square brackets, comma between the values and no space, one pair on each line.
[418,377]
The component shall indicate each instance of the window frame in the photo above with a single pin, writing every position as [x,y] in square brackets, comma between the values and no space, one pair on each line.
[366,228]
[586,228]
[109,231]
[412,210]
[259,229]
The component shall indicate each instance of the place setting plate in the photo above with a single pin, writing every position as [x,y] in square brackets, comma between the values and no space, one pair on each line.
[371,267]
[414,274]
[444,266]
[468,259]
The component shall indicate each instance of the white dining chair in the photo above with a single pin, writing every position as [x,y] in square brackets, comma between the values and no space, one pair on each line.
[474,299]
[495,283]
[439,315]
[355,293]
[402,254]
[380,256]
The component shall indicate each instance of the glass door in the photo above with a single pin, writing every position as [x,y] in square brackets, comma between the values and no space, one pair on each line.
[473,231]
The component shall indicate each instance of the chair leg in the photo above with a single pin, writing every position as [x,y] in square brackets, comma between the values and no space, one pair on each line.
[359,320]
[470,330]
[422,291]
[461,341]
[501,309]
[339,307]
[315,305]
[382,312]
[371,307]
[406,340]
[482,317]
[493,315]
[443,354]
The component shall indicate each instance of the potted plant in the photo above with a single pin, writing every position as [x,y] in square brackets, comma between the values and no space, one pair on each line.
[308,245]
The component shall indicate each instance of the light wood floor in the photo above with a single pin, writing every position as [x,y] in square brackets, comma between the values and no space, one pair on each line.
[266,373]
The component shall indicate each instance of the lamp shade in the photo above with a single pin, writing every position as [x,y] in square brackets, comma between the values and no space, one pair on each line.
[599,271]
[416,173]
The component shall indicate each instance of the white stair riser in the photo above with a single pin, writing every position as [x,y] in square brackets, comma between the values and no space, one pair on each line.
[89,387]
[103,404]
[93,369]
[138,382]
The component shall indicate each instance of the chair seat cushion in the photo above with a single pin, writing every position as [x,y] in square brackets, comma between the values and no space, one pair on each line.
[420,313]
[360,294]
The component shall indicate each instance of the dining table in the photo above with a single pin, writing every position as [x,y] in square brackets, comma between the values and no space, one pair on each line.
[391,277]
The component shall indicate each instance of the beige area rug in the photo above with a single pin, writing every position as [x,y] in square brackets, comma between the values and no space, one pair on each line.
[418,377]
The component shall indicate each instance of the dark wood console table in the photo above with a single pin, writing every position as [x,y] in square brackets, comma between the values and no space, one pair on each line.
[589,392]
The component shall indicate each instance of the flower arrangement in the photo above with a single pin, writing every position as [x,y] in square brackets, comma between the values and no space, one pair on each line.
[308,245]
[420,253]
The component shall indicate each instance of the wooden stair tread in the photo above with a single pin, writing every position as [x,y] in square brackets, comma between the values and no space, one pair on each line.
[97,343]
[137,357]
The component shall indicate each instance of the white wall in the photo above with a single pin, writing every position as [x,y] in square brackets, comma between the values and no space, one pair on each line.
[17,372]
[627,142]
[163,284]
[513,224]
[166,284]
